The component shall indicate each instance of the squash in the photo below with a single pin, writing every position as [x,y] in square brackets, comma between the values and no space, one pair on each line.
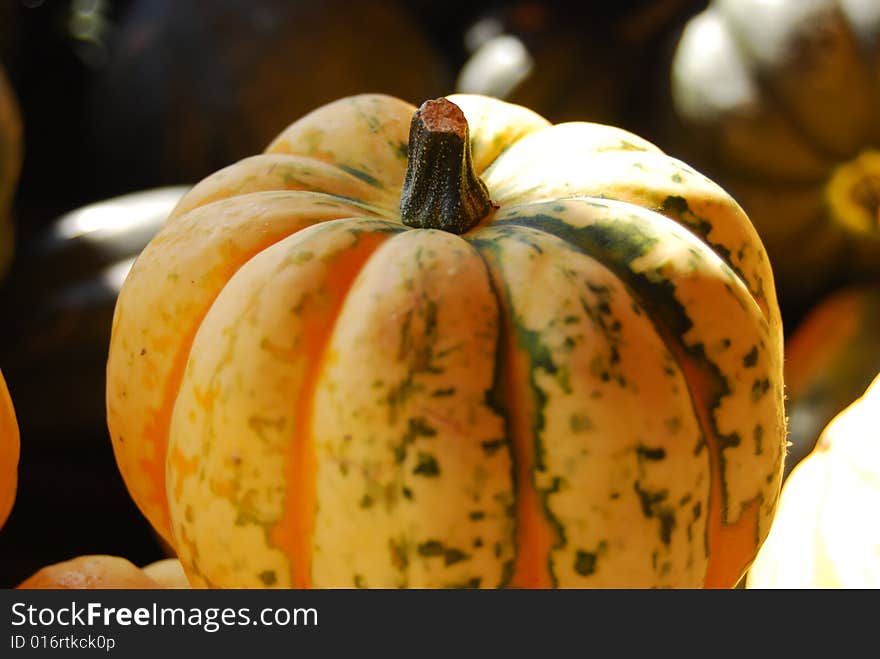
[190,91]
[452,346]
[10,167]
[780,103]
[167,572]
[831,358]
[825,533]
[9,452]
[104,571]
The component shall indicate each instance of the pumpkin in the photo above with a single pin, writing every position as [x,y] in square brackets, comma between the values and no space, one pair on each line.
[190,91]
[831,358]
[104,571]
[10,167]
[452,346]
[9,451]
[821,536]
[780,103]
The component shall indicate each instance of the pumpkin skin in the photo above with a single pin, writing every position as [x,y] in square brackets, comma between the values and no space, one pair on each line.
[9,452]
[102,571]
[10,167]
[819,538]
[831,358]
[780,103]
[303,391]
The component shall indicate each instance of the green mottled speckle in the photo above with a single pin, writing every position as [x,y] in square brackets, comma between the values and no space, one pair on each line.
[492,445]
[653,506]
[417,427]
[451,556]
[580,423]
[434,548]
[362,175]
[443,393]
[399,554]
[427,465]
[652,454]
[585,562]
[759,388]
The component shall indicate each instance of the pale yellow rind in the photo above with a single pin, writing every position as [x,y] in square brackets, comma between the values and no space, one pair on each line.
[618,426]
[168,573]
[725,326]
[368,133]
[283,172]
[494,125]
[414,476]
[824,535]
[236,414]
[550,164]
[169,289]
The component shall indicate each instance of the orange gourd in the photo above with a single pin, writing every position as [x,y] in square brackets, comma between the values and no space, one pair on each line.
[10,166]
[9,452]
[102,571]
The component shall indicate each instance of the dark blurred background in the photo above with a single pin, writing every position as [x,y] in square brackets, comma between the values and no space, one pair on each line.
[118,98]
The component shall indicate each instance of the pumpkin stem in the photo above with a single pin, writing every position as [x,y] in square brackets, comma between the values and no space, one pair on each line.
[441,189]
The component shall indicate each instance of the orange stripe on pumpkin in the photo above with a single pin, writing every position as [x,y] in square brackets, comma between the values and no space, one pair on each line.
[156,433]
[293,532]
[730,545]
[535,536]
[158,427]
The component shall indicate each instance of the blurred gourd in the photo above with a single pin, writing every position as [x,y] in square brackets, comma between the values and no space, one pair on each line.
[780,102]
[187,91]
[63,290]
[831,358]
[104,571]
[11,155]
[826,532]
[337,365]
[570,60]
[9,452]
